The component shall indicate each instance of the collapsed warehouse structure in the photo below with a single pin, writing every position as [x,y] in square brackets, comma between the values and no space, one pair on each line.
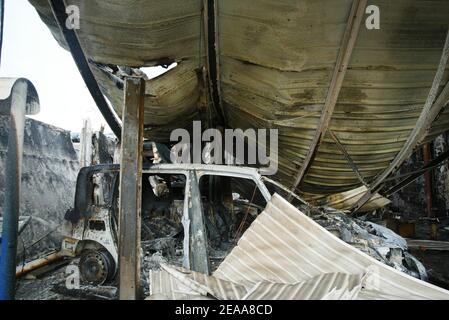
[350,104]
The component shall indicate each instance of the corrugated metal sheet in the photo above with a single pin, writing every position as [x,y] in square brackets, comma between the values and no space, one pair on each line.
[276,59]
[286,255]
[172,283]
[283,245]
[177,283]
[349,198]
[329,286]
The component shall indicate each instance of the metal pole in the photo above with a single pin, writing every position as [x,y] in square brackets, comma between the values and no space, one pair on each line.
[13,173]
[428,180]
[130,189]
[2,19]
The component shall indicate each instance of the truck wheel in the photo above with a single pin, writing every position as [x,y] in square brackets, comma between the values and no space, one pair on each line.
[96,266]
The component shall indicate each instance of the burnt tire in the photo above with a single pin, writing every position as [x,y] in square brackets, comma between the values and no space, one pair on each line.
[96,266]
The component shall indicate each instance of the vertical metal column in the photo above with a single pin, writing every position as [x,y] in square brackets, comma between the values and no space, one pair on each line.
[428,180]
[21,99]
[2,19]
[131,189]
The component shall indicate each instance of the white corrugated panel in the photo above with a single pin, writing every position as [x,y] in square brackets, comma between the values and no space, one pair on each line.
[284,246]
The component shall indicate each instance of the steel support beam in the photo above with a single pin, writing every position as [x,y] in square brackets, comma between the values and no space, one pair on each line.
[431,109]
[130,190]
[20,99]
[59,11]
[344,56]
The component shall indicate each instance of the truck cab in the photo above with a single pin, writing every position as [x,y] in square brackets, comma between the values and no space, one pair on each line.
[180,196]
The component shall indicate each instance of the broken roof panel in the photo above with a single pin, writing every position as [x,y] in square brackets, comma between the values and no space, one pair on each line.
[275,63]
[286,255]
[133,33]
[285,246]
[176,283]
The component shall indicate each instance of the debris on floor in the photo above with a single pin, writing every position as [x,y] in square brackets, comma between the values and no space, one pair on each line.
[375,240]
[286,255]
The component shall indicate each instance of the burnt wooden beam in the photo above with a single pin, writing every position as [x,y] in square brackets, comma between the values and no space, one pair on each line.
[130,189]
[431,109]
[344,56]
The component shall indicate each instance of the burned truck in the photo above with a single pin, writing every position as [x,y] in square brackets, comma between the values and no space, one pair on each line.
[177,202]
[191,225]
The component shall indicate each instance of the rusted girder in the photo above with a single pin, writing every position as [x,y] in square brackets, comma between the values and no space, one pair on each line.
[130,190]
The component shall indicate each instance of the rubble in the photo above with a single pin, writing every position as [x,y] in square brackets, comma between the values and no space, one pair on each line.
[375,240]
[162,251]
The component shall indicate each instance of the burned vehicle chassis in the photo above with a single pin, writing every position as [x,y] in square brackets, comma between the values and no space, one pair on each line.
[90,229]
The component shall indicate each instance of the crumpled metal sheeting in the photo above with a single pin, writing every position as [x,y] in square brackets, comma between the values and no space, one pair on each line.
[171,100]
[375,240]
[276,70]
[144,33]
[349,198]
[275,62]
[178,283]
[284,245]
[134,33]
[328,286]
[378,295]
[163,286]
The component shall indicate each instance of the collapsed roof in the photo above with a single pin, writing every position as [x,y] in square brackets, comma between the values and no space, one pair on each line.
[286,255]
[309,68]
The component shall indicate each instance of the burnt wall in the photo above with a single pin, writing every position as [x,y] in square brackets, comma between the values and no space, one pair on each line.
[49,171]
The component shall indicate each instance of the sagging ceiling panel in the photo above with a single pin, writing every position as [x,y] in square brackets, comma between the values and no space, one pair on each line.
[275,63]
